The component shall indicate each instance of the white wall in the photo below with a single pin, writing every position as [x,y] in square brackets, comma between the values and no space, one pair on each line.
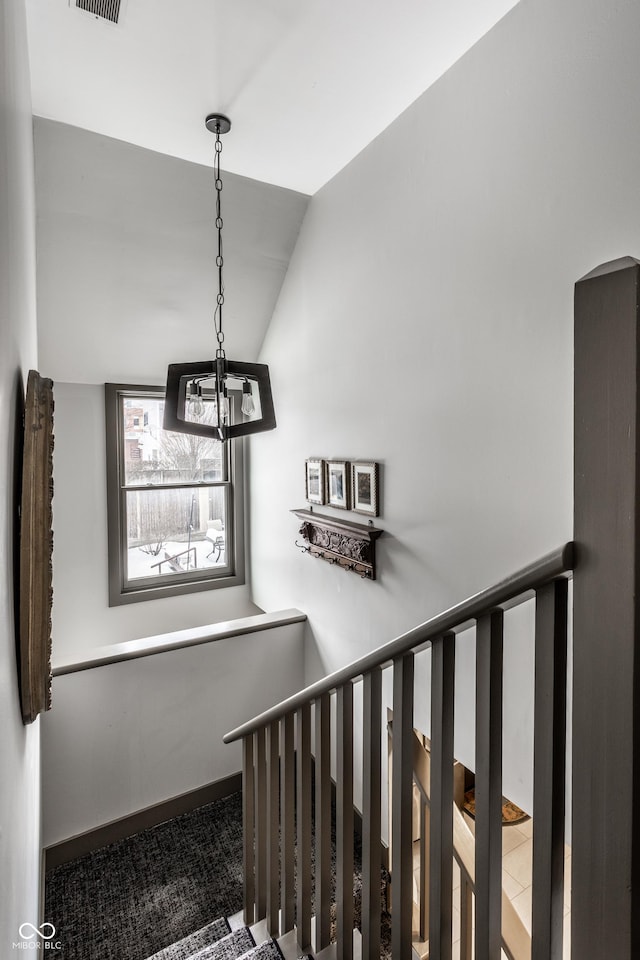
[126,276]
[82,619]
[426,322]
[126,257]
[129,735]
[19,745]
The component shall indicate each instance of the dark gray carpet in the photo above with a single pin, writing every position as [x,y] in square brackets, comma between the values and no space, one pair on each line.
[266,951]
[130,899]
[184,949]
[231,947]
[133,898]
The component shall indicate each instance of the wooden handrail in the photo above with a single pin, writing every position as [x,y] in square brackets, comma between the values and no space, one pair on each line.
[456,618]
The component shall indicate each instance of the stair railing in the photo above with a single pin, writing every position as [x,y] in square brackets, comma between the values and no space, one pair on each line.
[277,784]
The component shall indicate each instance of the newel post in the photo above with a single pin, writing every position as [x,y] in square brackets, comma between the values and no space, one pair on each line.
[606,701]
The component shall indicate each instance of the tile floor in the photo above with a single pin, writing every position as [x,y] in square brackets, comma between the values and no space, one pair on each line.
[517,858]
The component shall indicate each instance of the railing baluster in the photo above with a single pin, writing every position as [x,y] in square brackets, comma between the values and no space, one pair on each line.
[273,827]
[288,824]
[248,830]
[402,779]
[303,826]
[549,771]
[323,821]
[488,789]
[261,824]
[371,813]
[425,859]
[344,822]
[441,796]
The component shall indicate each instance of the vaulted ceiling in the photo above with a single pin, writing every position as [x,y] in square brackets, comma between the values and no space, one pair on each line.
[307,84]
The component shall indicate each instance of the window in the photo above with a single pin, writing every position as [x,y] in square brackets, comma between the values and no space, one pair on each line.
[174,503]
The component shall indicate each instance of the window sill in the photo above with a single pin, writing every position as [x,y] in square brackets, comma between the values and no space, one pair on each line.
[148,646]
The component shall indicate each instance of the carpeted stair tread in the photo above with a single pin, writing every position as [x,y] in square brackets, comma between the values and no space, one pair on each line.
[204,937]
[269,950]
[234,945]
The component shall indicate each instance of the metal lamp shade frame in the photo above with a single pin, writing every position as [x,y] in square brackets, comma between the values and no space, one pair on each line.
[179,375]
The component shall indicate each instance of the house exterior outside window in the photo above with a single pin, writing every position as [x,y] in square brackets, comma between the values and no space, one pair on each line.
[174,501]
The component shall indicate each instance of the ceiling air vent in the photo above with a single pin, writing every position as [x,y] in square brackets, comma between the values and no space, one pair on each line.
[104,9]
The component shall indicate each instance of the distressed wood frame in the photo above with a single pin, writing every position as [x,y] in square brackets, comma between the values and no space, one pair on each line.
[313,464]
[339,468]
[36,547]
[371,469]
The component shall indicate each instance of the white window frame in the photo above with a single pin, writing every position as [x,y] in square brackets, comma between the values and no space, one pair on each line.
[122,590]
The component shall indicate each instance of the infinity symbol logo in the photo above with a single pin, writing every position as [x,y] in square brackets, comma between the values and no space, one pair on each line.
[37,931]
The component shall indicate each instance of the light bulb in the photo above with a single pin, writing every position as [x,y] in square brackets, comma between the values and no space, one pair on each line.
[248,404]
[196,406]
[223,408]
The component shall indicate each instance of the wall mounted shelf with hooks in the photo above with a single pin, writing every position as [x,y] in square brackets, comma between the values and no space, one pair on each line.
[351,545]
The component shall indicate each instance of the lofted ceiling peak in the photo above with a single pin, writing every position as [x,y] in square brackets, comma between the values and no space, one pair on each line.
[307,84]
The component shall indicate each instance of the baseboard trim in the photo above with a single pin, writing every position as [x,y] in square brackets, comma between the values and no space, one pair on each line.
[43,871]
[84,843]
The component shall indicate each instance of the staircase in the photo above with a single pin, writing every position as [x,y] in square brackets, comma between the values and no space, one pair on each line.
[318,725]
[281,745]
[230,939]
[287,833]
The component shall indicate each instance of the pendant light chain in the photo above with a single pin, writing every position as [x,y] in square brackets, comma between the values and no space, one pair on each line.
[218,398]
[220,354]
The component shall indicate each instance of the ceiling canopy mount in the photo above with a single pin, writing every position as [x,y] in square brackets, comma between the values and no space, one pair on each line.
[217,123]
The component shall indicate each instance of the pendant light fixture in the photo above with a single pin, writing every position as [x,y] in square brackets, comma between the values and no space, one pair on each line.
[218,398]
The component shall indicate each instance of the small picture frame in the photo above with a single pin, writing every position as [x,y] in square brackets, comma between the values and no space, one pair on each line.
[364,488]
[314,481]
[338,484]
